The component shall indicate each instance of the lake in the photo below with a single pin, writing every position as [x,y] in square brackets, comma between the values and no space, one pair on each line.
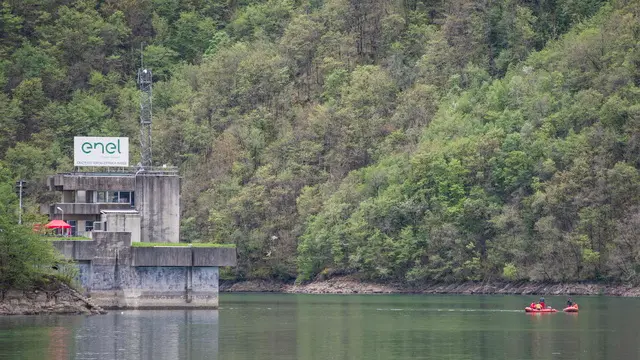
[305,327]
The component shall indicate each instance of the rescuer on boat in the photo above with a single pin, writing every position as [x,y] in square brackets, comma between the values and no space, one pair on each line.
[539,307]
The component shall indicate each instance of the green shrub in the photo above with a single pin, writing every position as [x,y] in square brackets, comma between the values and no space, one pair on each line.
[26,258]
[510,272]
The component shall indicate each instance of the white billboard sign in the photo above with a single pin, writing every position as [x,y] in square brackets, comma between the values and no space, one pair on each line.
[100,151]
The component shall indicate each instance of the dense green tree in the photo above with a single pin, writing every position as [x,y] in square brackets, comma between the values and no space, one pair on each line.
[25,257]
[404,141]
[190,36]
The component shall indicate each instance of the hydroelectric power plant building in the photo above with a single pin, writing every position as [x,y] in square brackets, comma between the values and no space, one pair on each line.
[145,202]
[119,207]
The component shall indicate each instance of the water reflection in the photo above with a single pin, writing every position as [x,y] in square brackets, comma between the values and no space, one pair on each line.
[59,339]
[149,335]
[130,335]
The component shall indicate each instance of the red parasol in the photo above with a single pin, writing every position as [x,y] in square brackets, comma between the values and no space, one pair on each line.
[57,224]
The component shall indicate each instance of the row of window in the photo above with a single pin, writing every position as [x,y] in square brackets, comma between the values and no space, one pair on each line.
[121,197]
[88,226]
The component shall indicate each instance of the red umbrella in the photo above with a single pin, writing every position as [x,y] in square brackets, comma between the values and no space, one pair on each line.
[57,224]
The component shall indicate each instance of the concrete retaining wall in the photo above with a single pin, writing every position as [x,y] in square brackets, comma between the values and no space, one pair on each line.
[162,256]
[76,250]
[218,256]
[183,256]
[116,275]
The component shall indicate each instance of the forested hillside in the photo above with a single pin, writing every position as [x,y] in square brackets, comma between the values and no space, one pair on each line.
[401,140]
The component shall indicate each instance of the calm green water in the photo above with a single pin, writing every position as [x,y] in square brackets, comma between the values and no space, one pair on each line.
[270,327]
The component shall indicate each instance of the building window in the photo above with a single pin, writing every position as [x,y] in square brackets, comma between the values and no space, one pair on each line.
[69,196]
[74,227]
[125,197]
[121,197]
[88,226]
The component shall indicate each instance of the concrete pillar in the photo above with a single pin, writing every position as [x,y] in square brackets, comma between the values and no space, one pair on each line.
[158,201]
[110,270]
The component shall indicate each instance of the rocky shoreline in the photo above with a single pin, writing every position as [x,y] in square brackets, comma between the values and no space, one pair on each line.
[350,285]
[62,300]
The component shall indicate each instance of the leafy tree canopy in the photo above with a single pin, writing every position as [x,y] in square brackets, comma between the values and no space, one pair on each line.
[404,141]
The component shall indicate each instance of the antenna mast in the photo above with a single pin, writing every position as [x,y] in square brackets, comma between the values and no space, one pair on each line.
[145,82]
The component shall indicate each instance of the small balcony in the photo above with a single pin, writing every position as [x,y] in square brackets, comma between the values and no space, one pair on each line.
[82,208]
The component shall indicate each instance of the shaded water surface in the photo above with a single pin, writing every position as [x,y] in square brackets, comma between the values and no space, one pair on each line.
[276,326]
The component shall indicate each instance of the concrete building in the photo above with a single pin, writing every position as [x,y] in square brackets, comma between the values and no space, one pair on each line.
[94,201]
[117,209]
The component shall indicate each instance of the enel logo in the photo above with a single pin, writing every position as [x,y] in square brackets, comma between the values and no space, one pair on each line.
[108,148]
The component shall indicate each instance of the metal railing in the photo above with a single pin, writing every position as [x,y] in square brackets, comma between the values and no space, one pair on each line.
[130,170]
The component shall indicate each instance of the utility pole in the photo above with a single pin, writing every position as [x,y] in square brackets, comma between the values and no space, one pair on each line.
[20,185]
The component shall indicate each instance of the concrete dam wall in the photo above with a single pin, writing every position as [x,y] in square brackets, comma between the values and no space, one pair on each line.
[118,276]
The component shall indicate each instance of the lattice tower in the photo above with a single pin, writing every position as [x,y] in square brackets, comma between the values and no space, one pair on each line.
[145,82]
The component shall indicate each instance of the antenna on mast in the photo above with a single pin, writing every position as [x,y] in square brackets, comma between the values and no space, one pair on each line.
[145,83]
[142,55]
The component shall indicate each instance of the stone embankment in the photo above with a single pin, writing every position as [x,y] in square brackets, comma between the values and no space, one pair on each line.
[351,285]
[62,300]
